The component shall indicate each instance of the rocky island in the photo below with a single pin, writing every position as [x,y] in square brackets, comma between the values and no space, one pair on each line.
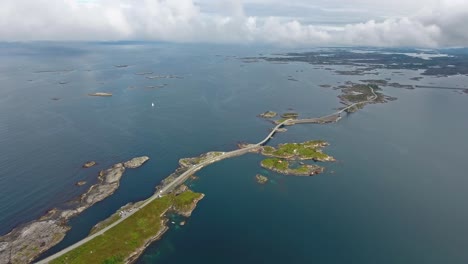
[288,115]
[261,179]
[309,150]
[268,114]
[100,94]
[89,164]
[361,94]
[285,153]
[26,242]
[80,183]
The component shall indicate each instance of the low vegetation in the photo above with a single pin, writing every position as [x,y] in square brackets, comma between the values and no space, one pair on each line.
[275,163]
[355,93]
[290,115]
[309,150]
[119,242]
[187,162]
[268,114]
[283,166]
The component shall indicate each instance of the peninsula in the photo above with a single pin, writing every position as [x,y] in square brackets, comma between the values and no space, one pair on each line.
[25,243]
[126,241]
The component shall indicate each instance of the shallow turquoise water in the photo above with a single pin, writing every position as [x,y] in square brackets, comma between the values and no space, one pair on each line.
[396,195]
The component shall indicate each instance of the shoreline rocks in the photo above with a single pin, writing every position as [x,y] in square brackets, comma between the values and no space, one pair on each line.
[309,170]
[186,212]
[135,162]
[26,242]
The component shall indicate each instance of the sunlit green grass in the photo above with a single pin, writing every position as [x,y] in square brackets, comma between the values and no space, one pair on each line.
[120,241]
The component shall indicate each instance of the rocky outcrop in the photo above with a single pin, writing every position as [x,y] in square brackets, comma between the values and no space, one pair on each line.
[25,243]
[136,162]
[100,94]
[80,183]
[305,170]
[188,212]
[261,179]
[89,164]
[268,114]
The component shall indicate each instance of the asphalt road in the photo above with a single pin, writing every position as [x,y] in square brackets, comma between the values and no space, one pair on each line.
[184,176]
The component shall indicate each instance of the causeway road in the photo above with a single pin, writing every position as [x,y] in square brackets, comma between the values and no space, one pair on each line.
[166,189]
[185,175]
[333,117]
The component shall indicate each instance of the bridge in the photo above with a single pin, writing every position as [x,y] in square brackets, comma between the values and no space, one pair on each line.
[185,175]
[167,189]
[333,117]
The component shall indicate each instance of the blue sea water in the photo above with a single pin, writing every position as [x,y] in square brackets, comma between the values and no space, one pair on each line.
[397,193]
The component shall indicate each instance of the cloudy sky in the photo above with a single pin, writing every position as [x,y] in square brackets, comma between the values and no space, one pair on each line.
[422,23]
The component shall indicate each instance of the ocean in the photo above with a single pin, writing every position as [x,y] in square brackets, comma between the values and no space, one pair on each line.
[396,194]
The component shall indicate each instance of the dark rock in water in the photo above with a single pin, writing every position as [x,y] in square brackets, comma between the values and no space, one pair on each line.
[80,183]
[89,164]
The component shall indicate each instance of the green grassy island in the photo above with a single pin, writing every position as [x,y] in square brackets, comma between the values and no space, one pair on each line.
[309,150]
[126,241]
[268,114]
[288,115]
[284,153]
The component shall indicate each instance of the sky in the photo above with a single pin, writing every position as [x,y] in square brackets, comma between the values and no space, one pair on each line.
[416,23]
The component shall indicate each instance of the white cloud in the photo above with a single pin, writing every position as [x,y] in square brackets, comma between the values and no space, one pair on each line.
[439,23]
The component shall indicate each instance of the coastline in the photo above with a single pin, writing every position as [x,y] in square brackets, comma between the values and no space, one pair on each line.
[126,242]
[26,242]
[189,166]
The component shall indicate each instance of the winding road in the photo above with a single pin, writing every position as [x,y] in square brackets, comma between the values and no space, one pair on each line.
[185,175]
